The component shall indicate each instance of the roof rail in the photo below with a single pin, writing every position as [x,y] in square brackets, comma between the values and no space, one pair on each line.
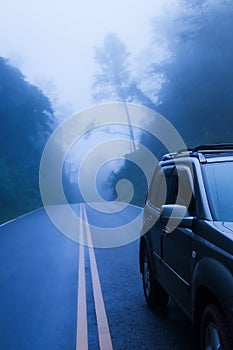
[184,150]
[180,153]
[199,151]
[168,156]
[214,147]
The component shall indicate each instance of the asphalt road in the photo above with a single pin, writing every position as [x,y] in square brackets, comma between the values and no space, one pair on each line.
[44,276]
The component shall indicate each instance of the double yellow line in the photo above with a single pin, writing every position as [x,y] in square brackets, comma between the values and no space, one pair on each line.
[105,342]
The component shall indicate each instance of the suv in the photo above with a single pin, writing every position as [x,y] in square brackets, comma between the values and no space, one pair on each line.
[186,245]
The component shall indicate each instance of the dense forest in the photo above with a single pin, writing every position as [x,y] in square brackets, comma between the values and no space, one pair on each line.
[27,120]
[191,83]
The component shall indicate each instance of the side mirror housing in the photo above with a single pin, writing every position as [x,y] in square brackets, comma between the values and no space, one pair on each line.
[176,215]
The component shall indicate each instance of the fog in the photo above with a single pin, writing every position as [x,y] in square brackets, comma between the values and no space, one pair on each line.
[58,58]
[52,42]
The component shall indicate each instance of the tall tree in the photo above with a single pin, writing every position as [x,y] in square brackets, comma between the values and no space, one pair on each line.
[113,78]
[115,81]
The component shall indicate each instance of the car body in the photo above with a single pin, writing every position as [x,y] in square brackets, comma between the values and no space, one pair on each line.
[186,245]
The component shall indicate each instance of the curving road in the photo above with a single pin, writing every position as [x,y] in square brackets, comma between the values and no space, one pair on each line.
[58,295]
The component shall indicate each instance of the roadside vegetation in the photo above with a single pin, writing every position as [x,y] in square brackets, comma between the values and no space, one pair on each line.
[27,120]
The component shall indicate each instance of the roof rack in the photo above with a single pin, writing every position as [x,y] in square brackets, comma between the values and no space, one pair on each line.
[199,151]
[214,147]
[180,153]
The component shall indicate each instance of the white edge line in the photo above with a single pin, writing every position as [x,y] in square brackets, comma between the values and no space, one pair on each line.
[20,217]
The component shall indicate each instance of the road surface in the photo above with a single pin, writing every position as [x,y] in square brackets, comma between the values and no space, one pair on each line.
[58,295]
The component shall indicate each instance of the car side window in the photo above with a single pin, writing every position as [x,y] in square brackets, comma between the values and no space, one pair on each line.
[183,189]
[154,189]
[172,188]
[173,185]
[163,187]
[186,190]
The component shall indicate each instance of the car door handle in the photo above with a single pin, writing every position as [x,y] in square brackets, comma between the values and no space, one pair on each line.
[166,231]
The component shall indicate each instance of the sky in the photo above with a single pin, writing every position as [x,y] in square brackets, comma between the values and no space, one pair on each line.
[53,41]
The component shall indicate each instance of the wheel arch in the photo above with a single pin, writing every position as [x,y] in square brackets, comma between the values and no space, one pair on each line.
[203,297]
[145,243]
[214,277]
[212,283]
[142,245]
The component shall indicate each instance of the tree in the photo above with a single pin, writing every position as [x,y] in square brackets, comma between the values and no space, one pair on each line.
[115,82]
[197,95]
[27,120]
[112,80]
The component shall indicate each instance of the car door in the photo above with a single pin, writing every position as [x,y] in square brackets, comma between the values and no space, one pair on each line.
[177,245]
[157,196]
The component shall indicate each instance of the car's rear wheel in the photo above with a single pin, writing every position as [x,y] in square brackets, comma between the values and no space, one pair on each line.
[215,333]
[155,295]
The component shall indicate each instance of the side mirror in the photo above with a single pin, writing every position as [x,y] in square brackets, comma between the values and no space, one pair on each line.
[176,215]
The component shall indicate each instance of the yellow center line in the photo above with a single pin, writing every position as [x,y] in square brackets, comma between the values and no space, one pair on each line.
[82,335]
[105,341]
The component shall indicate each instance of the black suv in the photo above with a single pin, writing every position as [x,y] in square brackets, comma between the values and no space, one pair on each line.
[187,243]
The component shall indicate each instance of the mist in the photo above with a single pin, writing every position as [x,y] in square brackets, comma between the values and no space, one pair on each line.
[174,57]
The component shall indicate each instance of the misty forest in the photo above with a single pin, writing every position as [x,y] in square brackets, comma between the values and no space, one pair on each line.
[189,81]
[192,85]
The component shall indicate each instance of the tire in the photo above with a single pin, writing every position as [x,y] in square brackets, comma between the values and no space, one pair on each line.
[156,297]
[214,333]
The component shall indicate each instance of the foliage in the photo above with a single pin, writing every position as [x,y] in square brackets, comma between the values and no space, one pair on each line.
[197,96]
[27,120]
